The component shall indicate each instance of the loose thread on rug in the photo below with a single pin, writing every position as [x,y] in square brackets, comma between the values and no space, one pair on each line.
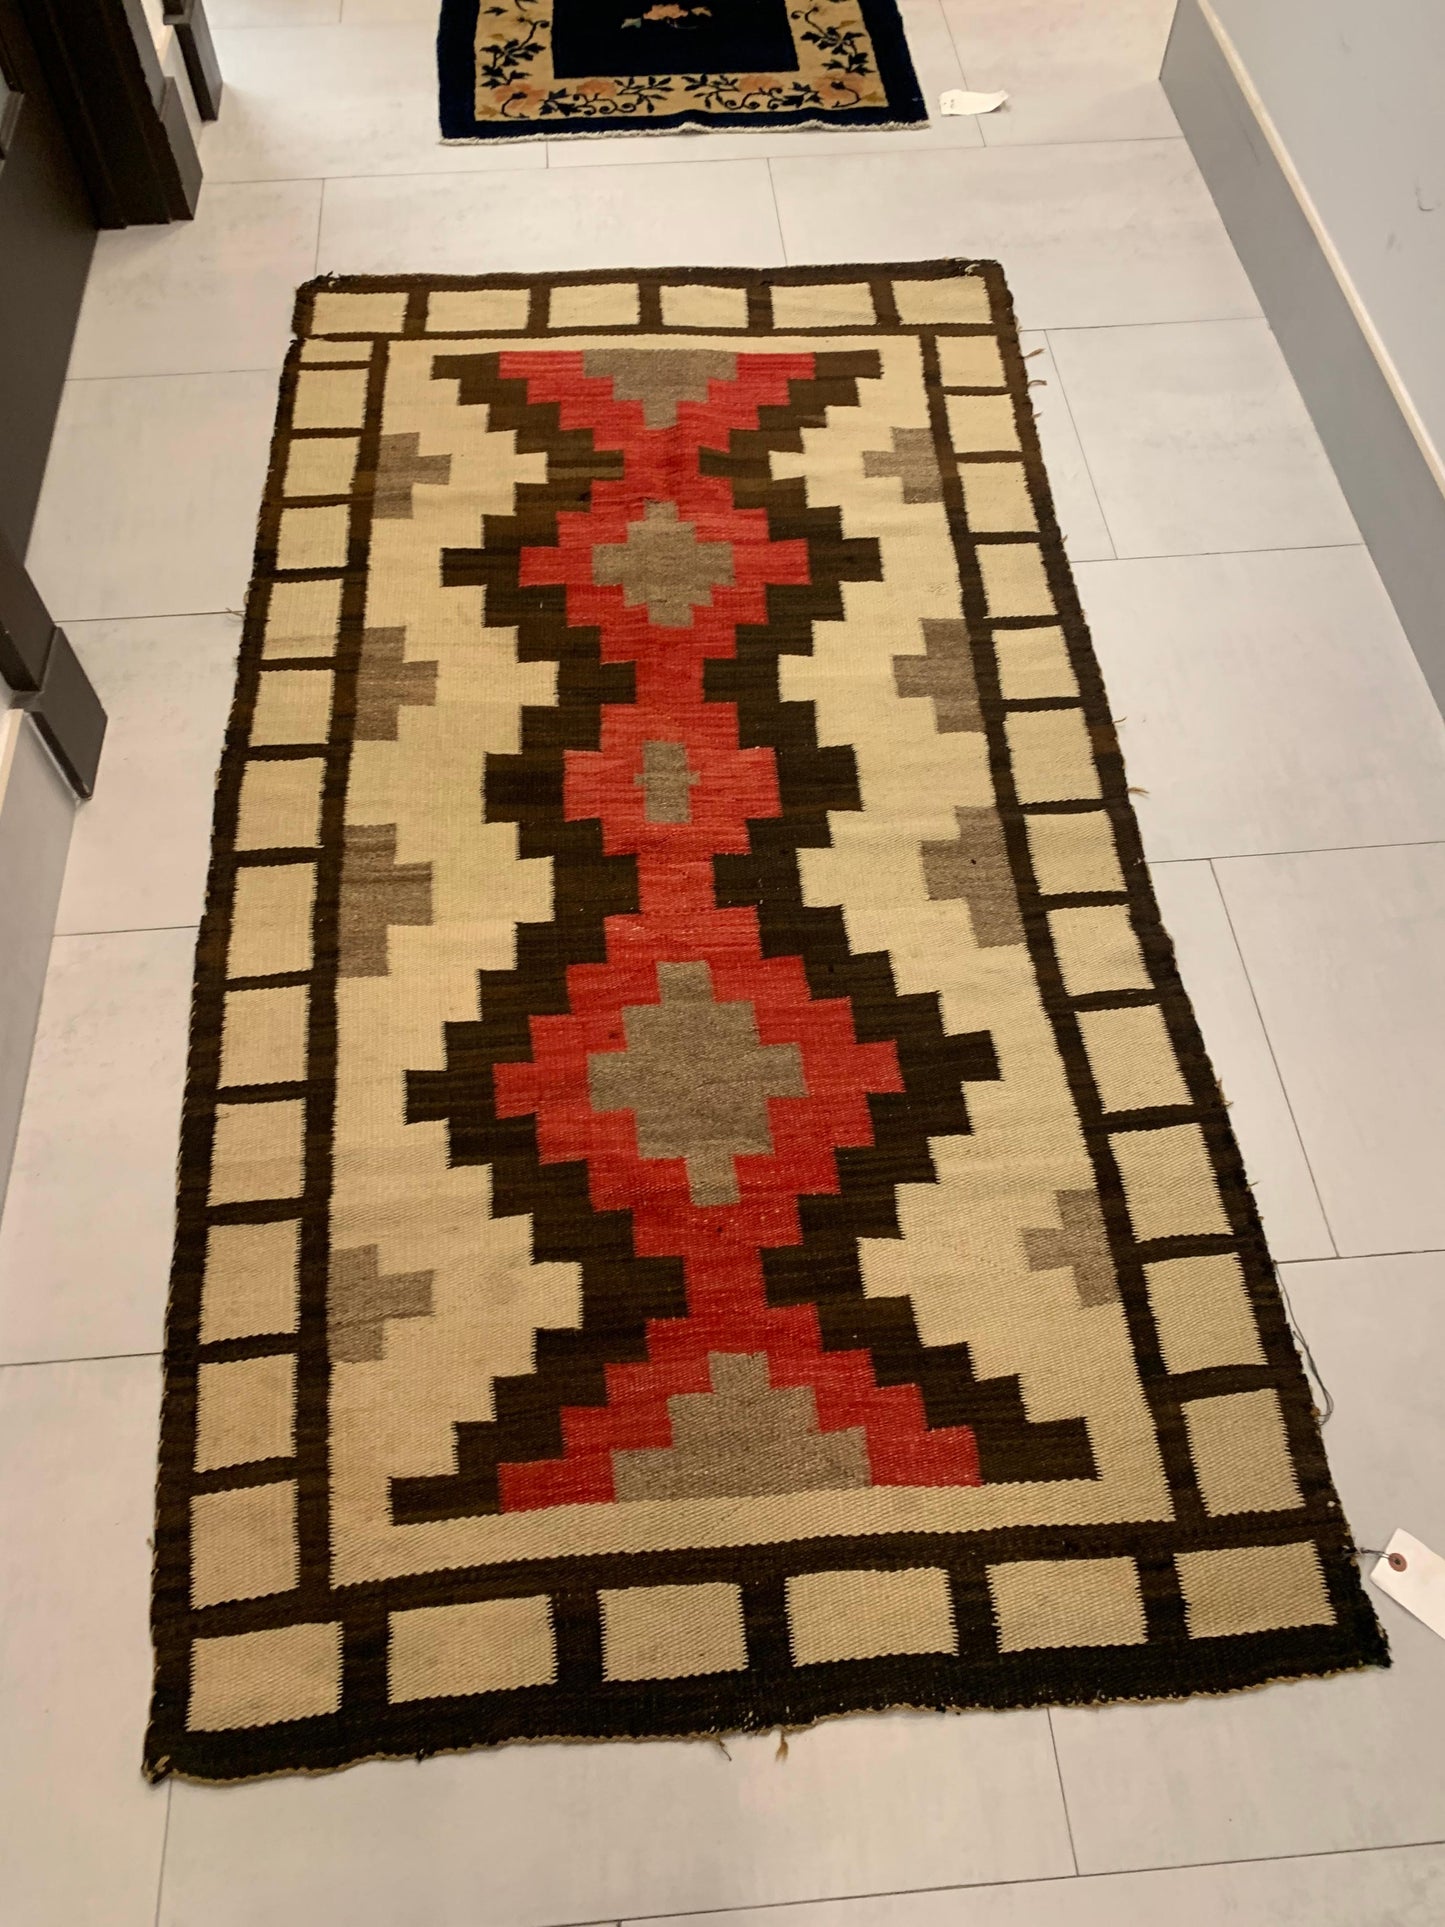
[1327,1411]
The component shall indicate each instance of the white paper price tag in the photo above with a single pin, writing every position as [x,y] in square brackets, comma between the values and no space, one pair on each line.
[1415,1576]
[958,101]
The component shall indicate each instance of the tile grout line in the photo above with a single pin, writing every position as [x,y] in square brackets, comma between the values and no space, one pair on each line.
[320,217]
[723,1914]
[272,368]
[165,1842]
[1269,1046]
[1193,555]
[1316,849]
[1063,1790]
[1102,561]
[127,930]
[150,615]
[777,213]
[735,160]
[1365,1257]
[886,141]
[1175,555]
[958,56]
[88,1358]
[1113,555]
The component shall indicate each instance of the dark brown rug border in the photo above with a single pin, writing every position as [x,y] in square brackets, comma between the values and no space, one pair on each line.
[772,1692]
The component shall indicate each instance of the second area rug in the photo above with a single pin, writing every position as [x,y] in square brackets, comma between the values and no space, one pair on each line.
[703,1204]
[529,69]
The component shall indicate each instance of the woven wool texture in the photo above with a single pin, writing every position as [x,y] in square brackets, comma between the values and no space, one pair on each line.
[703,1205]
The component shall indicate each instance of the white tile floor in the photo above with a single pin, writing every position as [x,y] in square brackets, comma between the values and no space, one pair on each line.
[1294,771]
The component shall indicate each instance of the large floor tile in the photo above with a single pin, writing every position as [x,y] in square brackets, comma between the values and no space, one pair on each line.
[1320,1765]
[542,1834]
[151,493]
[1074,70]
[1397,1887]
[1209,963]
[1089,235]
[1271,702]
[1198,440]
[216,292]
[934,61]
[304,102]
[85,1240]
[576,217]
[1086,534]
[138,854]
[1344,951]
[80,1831]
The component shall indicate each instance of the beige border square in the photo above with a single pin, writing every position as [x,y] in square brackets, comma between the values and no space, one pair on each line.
[823,304]
[321,465]
[600,304]
[1253,1589]
[330,398]
[1052,757]
[869,1614]
[694,304]
[1034,663]
[293,706]
[1202,1313]
[263,1035]
[259,1152]
[487,310]
[958,298]
[483,1646]
[981,425]
[1241,1453]
[970,361]
[672,1632]
[1076,852]
[1132,1057]
[271,920]
[1067,1602]
[1096,945]
[313,538]
[1169,1182]
[243,1543]
[251,1287]
[354,314]
[996,501]
[280,807]
[258,1679]
[302,618]
[245,1410]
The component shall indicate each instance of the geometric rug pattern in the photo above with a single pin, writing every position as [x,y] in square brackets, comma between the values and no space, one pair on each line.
[543,69]
[703,1205]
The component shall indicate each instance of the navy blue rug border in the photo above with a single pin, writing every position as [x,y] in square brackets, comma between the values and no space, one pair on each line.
[456,60]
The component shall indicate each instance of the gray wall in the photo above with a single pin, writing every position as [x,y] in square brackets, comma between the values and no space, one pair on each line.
[1356,89]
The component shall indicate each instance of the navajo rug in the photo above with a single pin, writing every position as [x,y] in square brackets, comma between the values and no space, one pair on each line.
[702,1201]
[525,69]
